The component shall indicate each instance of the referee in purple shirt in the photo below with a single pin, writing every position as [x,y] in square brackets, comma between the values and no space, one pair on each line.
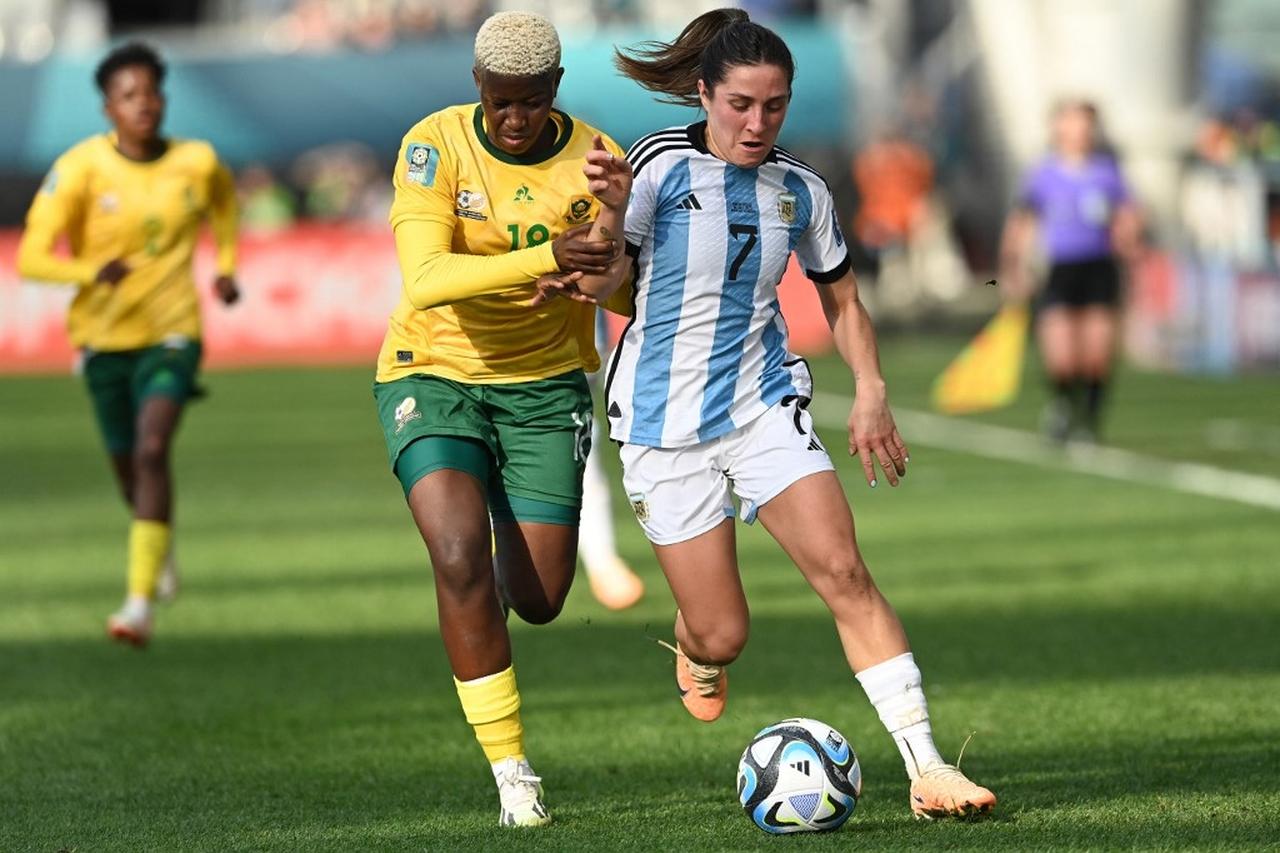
[1077,203]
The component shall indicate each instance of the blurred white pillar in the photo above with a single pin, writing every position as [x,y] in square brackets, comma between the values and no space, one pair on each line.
[1138,60]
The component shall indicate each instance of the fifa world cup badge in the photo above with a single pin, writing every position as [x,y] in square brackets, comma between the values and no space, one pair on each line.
[787,207]
[423,160]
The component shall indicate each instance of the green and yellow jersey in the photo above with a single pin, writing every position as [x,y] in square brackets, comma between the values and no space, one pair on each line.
[474,227]
[146,213]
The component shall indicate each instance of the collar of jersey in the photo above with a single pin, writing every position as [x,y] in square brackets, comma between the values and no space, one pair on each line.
[113,140]
[698,139]
[566,131]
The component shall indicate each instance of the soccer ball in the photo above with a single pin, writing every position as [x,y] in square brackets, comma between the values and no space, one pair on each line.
[799,775]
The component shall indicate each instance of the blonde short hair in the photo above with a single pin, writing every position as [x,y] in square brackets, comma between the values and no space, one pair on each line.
[520,44]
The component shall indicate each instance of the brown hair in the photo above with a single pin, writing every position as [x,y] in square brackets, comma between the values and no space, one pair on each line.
[705,50]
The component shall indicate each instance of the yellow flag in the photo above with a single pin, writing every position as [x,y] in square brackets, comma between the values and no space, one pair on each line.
[988,372]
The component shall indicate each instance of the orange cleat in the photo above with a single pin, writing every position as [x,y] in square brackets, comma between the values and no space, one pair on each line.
[703,687]
[943,791]
[615,585]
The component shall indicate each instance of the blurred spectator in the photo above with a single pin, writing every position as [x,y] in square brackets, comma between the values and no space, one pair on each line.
[1223,223]
[894,177]
[343,182]
[265,205]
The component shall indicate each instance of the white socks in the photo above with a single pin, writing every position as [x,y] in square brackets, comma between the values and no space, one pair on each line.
[893,686]
[595,532]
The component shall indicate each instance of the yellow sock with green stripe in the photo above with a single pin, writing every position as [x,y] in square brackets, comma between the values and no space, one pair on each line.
[492,707]
[148,546]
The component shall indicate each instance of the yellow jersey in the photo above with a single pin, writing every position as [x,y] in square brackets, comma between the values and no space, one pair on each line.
[147,214]
[474,226]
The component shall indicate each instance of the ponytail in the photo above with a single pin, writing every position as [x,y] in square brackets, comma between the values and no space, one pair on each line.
[705,50]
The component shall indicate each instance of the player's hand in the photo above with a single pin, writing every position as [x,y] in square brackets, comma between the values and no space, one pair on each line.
[558,284]
[227,289]
[874,438]
[113,272]
[575,253]
[608,176]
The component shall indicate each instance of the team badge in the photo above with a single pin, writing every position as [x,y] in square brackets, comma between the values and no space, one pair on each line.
[423,160]
[405,412]
[469,204]
[579,210]
[787,207]
[108,203]
[640,506]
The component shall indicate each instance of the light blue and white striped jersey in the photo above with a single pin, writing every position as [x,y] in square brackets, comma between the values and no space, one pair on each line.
[706,350]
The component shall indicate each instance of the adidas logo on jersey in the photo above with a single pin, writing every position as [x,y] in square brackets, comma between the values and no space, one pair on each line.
[690,203]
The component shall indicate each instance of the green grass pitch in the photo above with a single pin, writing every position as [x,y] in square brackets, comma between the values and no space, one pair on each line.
[1116,647]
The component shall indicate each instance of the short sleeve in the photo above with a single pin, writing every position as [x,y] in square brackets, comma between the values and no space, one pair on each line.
[1031,195]
[821,250]
[640,209]
[425,180]
[1117,188]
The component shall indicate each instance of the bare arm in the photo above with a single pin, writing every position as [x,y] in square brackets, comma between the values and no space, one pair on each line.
[873,435]
[1016,244]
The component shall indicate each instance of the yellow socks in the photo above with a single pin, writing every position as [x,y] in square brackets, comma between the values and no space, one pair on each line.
[148,546]
[492,707]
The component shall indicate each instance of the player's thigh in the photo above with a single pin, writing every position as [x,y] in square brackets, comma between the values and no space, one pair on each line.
[1056,335]
[705,582]
[449,507]
[109,379]
[1098,328]
[768,455]
[812,522]
[682,500]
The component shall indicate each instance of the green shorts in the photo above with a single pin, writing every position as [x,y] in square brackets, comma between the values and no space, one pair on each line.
[119,382]
[526,441]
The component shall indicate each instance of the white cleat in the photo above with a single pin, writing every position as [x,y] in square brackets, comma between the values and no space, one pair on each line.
[131,624]
[167,584]
[520,792]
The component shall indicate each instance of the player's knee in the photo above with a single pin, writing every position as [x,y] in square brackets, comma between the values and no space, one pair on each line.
[462,568]
[846,576]
[541,602]
[720,644]
[538,612]
[151,455]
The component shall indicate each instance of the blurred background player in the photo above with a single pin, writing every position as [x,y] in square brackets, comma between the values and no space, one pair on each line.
[612,581]
[129,204]
[1082,208]
[706,399]
[483,398]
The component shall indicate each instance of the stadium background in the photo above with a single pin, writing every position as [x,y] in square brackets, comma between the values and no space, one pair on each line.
[1105,619]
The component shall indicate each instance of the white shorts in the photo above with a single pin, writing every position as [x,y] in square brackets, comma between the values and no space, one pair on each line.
[678,493]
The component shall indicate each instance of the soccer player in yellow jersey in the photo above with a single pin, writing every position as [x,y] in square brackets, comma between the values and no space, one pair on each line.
[129,204]
[482,395]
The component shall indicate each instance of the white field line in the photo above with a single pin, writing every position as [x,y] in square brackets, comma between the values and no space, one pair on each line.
[1012,445]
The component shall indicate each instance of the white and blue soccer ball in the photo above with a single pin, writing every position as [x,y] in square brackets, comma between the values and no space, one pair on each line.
[799,775]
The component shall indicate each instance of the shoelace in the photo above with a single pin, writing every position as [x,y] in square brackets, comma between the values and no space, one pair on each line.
[947,773]
[522,783]
[706,676]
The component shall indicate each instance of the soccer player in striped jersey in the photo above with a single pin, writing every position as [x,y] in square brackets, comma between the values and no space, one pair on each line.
[483,400]
[130,204]
[707,401]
